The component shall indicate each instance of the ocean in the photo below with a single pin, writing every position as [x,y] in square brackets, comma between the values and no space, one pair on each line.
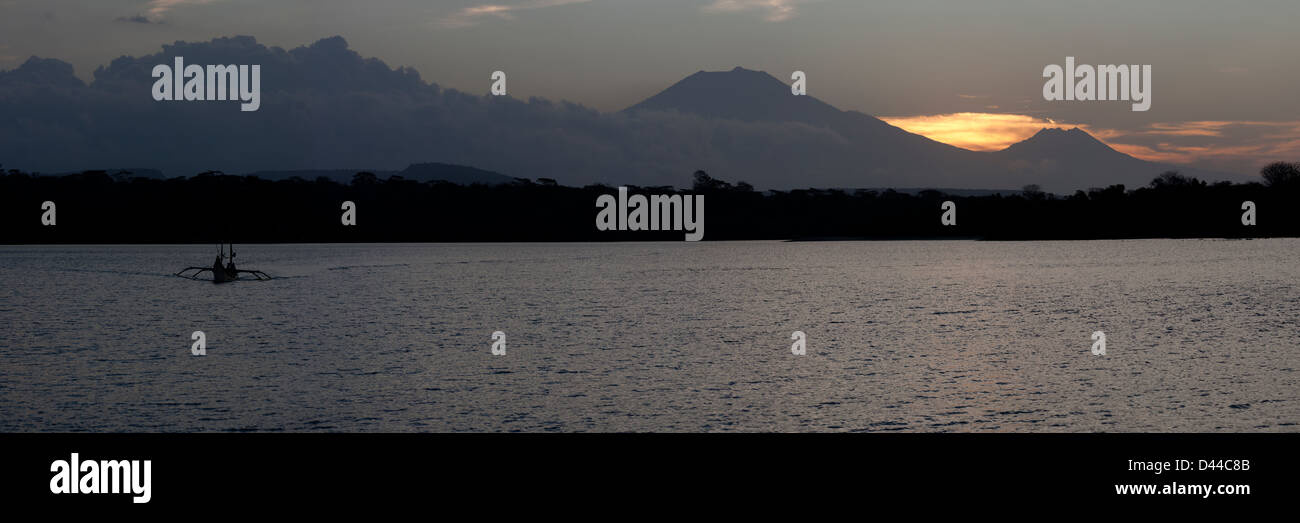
[914,336]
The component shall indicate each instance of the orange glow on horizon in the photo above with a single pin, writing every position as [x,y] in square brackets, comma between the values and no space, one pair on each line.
[1211,140]
[974,131]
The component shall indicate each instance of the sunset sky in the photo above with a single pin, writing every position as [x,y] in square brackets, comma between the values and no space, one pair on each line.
[963,72]
[1222,145]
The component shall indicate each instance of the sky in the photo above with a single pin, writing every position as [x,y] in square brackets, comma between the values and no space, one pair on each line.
[966,72]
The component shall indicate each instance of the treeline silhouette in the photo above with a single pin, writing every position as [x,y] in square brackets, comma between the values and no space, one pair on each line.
[99,207]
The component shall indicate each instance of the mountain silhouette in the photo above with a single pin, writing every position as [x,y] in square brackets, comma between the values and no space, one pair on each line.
[1053,141]
[326,107]
[851,149]
[749,96]
[756,96]
[1056,159]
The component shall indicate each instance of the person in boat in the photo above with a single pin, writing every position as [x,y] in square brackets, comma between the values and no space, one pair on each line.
[216,265]
[230,267]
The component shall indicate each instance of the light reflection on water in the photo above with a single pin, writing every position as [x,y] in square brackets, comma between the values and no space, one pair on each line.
[902,336]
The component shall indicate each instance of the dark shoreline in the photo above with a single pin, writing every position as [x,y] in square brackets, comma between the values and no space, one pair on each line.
[96,208]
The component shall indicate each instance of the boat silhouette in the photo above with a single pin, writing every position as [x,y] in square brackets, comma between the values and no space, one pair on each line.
[222,273]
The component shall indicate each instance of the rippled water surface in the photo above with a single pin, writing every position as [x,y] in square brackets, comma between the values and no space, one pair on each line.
[1202,335]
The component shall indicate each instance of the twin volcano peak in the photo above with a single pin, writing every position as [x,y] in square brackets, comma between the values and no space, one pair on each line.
[756,96]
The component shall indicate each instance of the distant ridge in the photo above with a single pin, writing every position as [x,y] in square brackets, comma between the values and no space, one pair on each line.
[122,174]
[420,172]
[446,172]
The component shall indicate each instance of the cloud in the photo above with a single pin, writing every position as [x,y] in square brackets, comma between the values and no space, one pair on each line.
[474,14]
[1240,146]
[325,106]
[137,19]
[773,10]
[159,8]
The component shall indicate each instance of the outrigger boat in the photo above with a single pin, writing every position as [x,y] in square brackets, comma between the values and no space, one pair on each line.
[222,273]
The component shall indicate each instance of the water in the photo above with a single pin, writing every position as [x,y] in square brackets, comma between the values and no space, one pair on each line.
[902,336]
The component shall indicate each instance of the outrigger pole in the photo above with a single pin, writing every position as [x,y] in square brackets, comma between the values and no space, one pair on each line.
[222,274]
